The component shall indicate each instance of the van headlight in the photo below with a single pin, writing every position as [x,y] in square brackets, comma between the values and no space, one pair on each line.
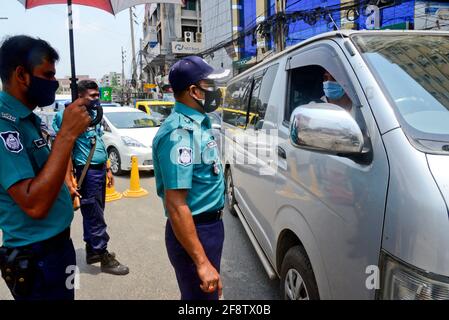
[403,282]
[130,142]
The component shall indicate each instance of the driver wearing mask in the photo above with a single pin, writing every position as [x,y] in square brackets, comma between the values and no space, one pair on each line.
[335,94]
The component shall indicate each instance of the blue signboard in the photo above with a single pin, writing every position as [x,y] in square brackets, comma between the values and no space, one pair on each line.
[399,13]
[310,24]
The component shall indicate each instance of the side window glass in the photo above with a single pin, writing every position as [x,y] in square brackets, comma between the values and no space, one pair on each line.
[236,103]
[142,108]
[313,84]
[254,104]
[265,86]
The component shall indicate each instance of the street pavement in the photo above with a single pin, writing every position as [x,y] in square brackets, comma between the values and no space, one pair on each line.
[136,228]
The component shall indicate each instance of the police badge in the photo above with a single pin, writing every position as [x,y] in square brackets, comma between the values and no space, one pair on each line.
[11,139]
[185,156]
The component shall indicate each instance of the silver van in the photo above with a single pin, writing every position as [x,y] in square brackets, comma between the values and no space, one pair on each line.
[345,197]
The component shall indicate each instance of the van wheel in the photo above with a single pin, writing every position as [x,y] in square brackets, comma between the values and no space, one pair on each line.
[297,278]
[116,163]
[230,198]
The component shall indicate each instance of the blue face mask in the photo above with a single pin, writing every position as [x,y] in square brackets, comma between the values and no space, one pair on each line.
[333,90]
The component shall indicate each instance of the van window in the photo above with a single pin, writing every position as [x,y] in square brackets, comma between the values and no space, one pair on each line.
[236,102]
[306,71]
[263,85]
[142,108]
[306,87]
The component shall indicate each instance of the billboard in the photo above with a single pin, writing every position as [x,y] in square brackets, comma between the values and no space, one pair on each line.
[106,94]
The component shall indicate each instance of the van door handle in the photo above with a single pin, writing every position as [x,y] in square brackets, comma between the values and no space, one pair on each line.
[282,153]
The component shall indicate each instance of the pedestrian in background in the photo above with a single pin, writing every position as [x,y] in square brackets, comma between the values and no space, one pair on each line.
[190,181]
[93,188]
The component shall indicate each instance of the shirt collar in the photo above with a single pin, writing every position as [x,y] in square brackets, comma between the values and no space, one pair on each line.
[14,106]
[190,112]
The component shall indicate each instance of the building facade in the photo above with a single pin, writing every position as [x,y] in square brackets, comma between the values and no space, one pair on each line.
[217,28]
[169,32]
[263,27]
[64,84]
[112,79]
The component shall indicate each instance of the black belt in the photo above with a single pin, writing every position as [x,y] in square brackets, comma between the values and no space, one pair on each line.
[92,166]
[207,217]
[53,243]
[57,239]
[47,244]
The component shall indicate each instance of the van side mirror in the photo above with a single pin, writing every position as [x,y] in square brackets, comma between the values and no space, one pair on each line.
[326,128]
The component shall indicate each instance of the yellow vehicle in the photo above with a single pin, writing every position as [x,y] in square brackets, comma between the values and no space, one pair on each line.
[156,108]
[238,117]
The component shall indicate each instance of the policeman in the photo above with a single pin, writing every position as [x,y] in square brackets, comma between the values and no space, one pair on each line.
[93,188]
[190,181]
[37,258]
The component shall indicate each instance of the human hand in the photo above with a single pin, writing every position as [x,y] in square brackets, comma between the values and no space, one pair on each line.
[76,119]
[110,179]
[210,279]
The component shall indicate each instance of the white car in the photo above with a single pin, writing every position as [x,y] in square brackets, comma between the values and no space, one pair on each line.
[128,132]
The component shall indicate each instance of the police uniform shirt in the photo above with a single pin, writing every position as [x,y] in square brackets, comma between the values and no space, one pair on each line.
[186,156]
[83,145]
[23,153]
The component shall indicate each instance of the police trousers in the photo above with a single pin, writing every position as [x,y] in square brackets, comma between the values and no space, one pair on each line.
[211,236]
[93,195]
[41,271]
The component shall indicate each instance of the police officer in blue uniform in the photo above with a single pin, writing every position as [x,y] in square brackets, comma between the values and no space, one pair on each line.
[93,188]
[37,259]
[190,181]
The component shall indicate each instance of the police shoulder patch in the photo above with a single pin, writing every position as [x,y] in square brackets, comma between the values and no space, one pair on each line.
[185,156]
[11,140]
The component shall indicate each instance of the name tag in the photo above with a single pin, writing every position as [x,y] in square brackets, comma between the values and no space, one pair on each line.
[40,143]
[211,144]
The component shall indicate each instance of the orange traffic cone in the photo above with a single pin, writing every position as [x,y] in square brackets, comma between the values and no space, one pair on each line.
[135,190]
[111,193]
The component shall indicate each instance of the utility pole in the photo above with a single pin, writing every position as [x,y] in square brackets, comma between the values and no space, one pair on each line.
[279,35]
[141,66]
[123,75]
[133,45]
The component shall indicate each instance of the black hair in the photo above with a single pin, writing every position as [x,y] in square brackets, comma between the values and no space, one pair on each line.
[85,85]
[24,51]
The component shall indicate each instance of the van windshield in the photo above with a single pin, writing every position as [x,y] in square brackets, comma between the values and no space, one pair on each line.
[414,72]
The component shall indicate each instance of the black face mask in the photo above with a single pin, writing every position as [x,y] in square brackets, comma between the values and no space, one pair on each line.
[42,92]
[212,101]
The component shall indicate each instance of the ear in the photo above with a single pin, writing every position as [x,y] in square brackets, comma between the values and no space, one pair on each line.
[194,92]
[22,76]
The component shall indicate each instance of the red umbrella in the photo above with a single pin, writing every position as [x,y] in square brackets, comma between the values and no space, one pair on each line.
[111,6]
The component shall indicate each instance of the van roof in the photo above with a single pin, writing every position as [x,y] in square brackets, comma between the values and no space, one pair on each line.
[335,34]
